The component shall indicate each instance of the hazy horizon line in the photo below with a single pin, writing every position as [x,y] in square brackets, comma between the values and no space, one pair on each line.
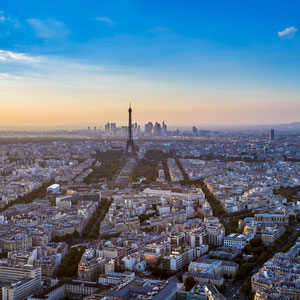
[83,126]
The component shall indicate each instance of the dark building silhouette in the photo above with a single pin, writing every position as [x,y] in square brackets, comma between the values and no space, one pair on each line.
[272,135]
[130,144]
[157,129]
[107,126]
[194,130]
[110,127]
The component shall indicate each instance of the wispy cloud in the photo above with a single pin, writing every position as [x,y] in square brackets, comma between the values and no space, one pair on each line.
[288,32]
[8,76]
[15,56]
[49,29]
[105,20]
[4,18]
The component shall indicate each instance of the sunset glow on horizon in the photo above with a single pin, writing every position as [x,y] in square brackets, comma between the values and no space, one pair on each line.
[187,63]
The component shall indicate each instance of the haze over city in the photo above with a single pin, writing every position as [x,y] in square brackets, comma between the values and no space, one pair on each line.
[193,62]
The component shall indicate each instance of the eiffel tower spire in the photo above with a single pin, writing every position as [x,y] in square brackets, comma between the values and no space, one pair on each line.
[130,144]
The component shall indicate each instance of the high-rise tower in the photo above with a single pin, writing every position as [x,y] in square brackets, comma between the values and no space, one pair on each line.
[130,144]
[272,134]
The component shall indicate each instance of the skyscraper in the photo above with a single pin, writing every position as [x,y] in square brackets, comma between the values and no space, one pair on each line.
[148,128]
[130,144]
[110,127]
[194,130]
[157,129]
[113,126]
[272,135]
[164,128]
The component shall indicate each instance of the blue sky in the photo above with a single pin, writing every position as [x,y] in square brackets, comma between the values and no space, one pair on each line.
[171,53]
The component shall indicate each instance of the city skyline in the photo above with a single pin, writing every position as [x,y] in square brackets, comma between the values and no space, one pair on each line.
[149,150]
[191,63]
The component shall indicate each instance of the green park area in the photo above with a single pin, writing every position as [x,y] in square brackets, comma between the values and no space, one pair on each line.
[149,165]
[291,193]
[110,166]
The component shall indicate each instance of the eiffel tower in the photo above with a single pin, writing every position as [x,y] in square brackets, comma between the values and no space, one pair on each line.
[129,144]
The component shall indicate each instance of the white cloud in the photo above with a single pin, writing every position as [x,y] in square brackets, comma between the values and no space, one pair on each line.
[49,29]
[105,20]
[288,32]
[15,56]
[8,76]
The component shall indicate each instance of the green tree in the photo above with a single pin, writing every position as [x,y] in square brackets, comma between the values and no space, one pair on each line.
[148,166]
[189,283]
[110,165]
[255,242]
[68,268]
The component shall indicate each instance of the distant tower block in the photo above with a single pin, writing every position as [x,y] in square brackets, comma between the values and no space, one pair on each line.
[130,144]
[272,135]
